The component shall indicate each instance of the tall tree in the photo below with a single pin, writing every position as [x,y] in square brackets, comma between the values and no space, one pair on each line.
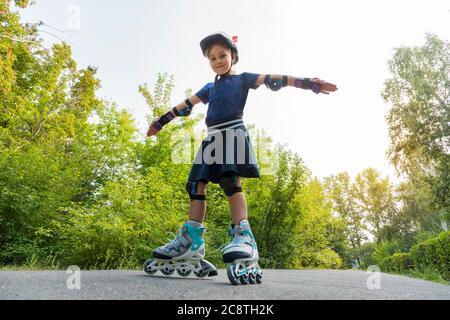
[419,92]
[281,214]
[375,197]
[340,193]
[59,143]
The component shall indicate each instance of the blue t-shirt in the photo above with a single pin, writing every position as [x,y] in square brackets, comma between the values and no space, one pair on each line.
[227,98]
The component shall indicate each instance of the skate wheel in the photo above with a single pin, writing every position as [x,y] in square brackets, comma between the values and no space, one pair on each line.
[259,278]
[244,279]
[147,270]
[184,273]
[150,272]
[231,275]
[207,270]
[201,274]
[167,271]
[252,278]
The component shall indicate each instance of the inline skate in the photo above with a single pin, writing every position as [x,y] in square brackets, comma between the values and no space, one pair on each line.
[241,256]
[184,254]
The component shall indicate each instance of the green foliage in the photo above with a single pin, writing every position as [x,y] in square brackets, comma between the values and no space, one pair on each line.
[291,219]
[433,253]
[337,235]
[383,250]
[364,255]
[311,237]
[341,193]
[424,236]
[52,151]
[280,215]
[399,263]
[78,186]
[365,205]
[375,199]
[122,227]
[419,92]
[418,128]
[431,256]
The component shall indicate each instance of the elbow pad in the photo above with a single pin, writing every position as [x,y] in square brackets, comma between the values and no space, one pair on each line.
[275,85]
[185,112]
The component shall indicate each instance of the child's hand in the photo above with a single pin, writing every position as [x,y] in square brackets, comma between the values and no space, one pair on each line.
[325,87]
[153,130]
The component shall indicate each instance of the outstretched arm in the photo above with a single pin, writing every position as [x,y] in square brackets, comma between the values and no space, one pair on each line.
[183,109]
[276,81]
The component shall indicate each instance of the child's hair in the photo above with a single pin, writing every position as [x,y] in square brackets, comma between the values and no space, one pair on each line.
[218,42]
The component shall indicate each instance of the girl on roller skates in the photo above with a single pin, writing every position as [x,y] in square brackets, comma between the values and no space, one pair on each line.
[222,161]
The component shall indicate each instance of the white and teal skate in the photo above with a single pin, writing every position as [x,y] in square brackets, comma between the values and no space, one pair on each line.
[184,254]
[241,256]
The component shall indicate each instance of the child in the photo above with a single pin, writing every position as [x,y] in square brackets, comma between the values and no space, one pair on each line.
[225,165]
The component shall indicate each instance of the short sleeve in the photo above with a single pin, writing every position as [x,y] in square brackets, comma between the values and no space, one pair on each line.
[250,80]
[203,94]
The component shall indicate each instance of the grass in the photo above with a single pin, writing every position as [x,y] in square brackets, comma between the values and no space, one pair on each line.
[29,268]
[429,274]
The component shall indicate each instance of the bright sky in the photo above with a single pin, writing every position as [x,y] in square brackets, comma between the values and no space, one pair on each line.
[347,42]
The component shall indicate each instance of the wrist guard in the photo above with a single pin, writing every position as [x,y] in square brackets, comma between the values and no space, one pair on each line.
[185,112]
[308,84]
[275,85]
[165,119]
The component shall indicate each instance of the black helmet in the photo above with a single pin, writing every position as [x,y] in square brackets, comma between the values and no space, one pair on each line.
[222,38]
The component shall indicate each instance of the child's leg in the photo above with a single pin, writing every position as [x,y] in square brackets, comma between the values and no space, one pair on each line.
[197,209]
[238,206]
[186,254]
[241,254]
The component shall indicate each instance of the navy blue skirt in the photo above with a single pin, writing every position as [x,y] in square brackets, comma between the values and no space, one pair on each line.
[227,149]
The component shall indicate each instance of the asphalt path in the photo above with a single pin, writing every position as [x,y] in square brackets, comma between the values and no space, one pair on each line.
[277,285]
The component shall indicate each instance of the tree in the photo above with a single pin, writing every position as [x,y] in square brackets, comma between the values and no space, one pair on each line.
[340,192]
[52,151]
[375,199]
[368,206]
[419,93]
[281,214]
[5,5]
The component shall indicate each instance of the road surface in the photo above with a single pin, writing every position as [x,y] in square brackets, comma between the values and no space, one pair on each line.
[277,285]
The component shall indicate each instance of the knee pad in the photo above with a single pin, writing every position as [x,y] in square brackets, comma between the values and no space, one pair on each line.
[229,185]
[192,190]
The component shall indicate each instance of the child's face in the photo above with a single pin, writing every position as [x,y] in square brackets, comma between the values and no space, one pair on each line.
[220,59]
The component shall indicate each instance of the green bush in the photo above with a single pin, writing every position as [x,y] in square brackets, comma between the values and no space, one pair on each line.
[385,249]
[121,229]
[397,263]
[433,254]
[327,259]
